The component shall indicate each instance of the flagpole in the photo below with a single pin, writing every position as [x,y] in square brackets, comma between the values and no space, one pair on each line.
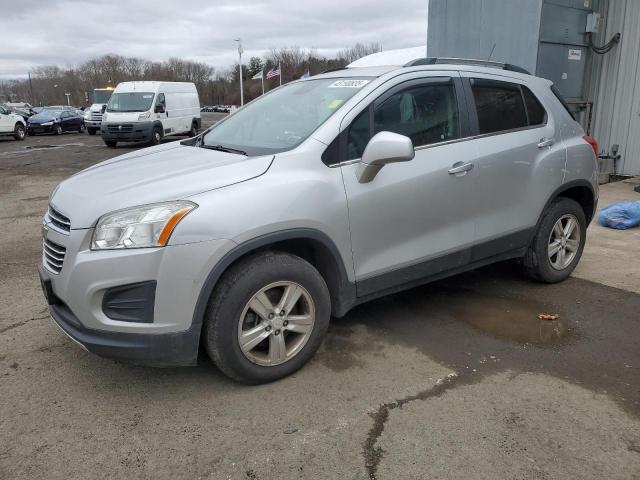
[240,68]
[262,78]
[280,70]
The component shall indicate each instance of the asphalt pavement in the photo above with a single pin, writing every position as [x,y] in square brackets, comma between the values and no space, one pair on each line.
[458,379]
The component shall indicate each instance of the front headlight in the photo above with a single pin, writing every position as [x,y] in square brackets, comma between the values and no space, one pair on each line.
[144,116]
[104,117]
[139,227]
[46,124]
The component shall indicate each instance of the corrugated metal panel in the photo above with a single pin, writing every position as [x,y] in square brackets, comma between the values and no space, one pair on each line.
[615,85]
[500,30]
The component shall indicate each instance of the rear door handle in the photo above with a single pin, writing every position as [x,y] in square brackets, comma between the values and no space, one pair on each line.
[460,167]
[546,142]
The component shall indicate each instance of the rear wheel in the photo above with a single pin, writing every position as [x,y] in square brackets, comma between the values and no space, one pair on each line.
[57,129]
[194,130]
[81,128]
[156,136]
[91,131]
[18,132]
[110,143]
[267,317]
[558,243]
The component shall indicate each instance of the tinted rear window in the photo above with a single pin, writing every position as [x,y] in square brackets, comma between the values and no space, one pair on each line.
[537,115]
[499,106]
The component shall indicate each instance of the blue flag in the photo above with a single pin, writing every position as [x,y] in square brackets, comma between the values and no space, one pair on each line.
[305,75]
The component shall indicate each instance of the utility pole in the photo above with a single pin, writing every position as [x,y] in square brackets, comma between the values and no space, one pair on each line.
[68,95]
[33,100]
[239,40]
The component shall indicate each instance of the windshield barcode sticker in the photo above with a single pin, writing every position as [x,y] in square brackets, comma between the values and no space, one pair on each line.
[349,84]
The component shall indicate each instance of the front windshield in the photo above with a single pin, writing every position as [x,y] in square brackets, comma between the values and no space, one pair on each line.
[101,96]
[284,118]
[130,102]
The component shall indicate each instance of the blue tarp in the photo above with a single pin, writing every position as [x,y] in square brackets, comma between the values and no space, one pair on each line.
[621,215]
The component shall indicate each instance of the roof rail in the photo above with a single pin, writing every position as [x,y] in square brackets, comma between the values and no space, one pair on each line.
[465,61]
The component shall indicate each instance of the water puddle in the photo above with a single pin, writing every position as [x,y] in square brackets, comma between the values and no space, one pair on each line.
[510,319]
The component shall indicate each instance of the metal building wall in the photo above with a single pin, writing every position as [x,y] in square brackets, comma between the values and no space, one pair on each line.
[614,85]
[467,29]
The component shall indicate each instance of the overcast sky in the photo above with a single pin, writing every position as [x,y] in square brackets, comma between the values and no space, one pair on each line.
[68,32]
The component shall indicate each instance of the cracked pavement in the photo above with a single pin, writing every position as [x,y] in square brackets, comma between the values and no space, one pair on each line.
[457,379]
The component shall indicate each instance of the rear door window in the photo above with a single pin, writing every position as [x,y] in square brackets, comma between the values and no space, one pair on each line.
[499,105]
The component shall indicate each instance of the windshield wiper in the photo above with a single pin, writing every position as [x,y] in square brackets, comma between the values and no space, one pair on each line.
[221,148]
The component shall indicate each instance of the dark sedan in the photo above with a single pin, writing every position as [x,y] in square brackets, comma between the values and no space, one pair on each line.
[55,121]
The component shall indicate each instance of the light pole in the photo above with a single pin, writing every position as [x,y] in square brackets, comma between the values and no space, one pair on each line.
[239,40]
[68,95]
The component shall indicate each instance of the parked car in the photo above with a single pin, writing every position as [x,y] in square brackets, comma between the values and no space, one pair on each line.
[149,111]
[11,124]
[314,198]
[56,121]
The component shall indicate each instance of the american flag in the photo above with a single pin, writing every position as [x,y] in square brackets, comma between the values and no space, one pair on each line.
[274,72]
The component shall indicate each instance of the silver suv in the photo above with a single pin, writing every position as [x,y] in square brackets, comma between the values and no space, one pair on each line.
[320,195]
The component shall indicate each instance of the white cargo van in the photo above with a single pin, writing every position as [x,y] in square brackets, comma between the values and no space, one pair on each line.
[148,111]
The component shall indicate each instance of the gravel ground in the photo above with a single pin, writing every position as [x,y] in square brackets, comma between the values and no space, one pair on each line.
[457,379]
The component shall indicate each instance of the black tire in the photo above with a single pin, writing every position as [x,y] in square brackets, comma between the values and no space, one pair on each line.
[19,132]
[536,261]
[233,292]
[81,128]
[156,136]
[194,130]
[91,131]
[57,129]
[110,143]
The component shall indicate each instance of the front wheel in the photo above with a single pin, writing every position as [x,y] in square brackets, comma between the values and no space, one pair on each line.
[57,129]
[91,131]
[18,132]
[156,136]
[194,130]
[558,243]
[110,143]
[267,317]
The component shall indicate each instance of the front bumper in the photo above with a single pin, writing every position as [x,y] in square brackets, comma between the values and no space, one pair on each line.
[34,128]
[171,349]
[92,123]
[78,297]
[130,131]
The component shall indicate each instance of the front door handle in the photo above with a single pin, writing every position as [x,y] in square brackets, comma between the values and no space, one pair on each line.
[460,167]
[546,142]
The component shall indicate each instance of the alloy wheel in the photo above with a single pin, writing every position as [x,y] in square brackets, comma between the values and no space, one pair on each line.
[276,323]
[564,241]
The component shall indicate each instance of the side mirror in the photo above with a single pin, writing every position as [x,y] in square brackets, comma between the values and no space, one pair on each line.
[383,148]
[159,108]
[104,108]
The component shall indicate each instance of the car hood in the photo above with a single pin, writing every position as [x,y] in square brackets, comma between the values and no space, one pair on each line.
[42,118]
[167,172]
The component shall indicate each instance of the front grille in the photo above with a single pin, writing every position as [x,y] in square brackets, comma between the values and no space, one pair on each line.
[121,128]
[53,255]
[59,220]
[96,117]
